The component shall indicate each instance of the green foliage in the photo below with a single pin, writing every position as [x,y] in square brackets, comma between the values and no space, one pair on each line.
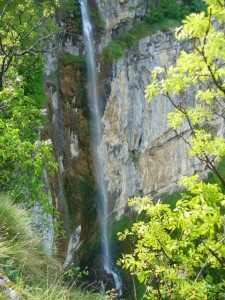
[125,222]
[82,92]
[56,290]
[127,40]
[173,9]
[113,52]
[144,29]
[70,59]
[25,29]
[135,158]
[171,199]
[32,72]
[72,8]
[23,158]
[97,18]
[213,178]
[178,251]
[156,15]
[69,5]
[92,245]
[195,6]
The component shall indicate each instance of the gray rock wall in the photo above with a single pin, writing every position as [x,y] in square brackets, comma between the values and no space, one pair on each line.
[142,157]
[120,11]
[119,16]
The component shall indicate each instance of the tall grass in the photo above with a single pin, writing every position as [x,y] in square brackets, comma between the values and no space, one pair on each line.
[54,290]
[21,250]
[33,274]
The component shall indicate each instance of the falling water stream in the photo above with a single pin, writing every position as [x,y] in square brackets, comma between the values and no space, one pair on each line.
[96,132]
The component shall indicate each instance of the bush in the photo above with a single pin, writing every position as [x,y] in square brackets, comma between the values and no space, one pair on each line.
[173,10]
[97,18]
[68,59]
[179,253]
[156,15]
[195,5]
[127,40]
[113,51]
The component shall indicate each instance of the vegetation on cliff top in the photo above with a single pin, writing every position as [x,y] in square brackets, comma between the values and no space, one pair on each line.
[173,9]
[179,250]
[163,15]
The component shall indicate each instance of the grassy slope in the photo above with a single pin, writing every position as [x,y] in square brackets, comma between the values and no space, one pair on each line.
[33,274]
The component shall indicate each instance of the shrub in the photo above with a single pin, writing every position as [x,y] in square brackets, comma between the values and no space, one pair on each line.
[97,18]
[156,15]
[127,40]
[173,10]
[70,59]
[113,51]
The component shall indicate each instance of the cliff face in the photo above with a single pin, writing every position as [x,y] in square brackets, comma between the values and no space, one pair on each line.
[73,191]
[119,17]
[142,157]
[121,13]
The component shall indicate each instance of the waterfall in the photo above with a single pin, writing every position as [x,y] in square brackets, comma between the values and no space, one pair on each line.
[96,136]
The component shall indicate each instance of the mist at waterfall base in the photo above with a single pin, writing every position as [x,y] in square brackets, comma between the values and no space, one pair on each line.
[96,136]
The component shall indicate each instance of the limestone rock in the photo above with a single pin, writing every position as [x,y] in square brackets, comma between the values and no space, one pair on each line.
[6,290]
[73,246]
[119,17]
[116,12]
[142,156]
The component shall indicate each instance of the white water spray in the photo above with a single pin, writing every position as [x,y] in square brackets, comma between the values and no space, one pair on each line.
[96,141]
